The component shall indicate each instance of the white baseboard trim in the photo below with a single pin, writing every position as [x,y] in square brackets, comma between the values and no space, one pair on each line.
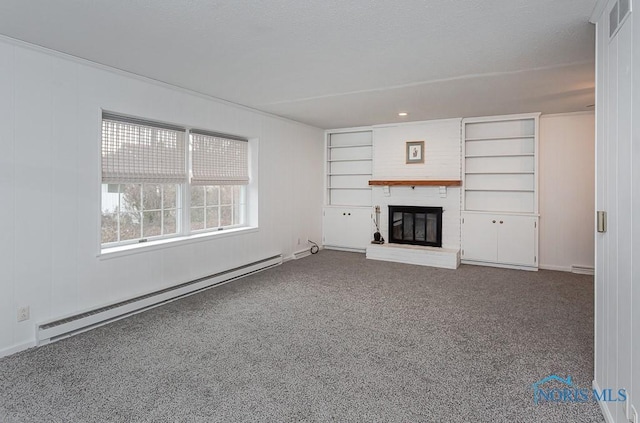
[583,270]
[555,268]
[17,348]
[604,407]
[351,250]
[580,270]
[504,266]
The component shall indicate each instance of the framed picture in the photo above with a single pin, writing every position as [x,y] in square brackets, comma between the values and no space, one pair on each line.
[415,151]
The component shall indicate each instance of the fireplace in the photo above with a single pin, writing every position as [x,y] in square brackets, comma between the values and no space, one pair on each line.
[415,225]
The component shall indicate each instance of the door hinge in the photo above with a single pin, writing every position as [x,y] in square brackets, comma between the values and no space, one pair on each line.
[462,252]
[535,259]
[535,224]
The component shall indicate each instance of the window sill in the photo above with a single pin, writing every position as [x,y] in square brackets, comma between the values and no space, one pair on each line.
[143,247]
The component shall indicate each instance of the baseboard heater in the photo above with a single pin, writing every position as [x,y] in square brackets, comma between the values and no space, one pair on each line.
[54,330]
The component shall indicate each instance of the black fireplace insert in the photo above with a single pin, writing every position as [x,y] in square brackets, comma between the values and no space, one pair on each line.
[415,225]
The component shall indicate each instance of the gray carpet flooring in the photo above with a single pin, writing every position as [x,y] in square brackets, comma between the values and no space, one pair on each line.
[331,337]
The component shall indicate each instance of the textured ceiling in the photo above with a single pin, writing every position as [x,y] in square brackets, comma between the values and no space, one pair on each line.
[336,63]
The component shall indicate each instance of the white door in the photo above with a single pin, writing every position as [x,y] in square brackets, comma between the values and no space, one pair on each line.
[479,237]
[617,165]
[517,240]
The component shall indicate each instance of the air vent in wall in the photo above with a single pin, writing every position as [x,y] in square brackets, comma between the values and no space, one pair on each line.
[613,20]
[617,15]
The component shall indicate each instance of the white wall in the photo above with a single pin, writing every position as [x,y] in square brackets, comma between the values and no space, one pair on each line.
[442,161]
[50,114]
[567,178]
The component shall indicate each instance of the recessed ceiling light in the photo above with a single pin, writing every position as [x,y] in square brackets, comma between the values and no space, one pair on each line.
[403,114]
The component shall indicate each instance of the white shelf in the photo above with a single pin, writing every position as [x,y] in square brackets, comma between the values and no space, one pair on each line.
[348,174]
[499,190]
[350,146]
[349,160]
[501,173]
[514,137]
[475,156]
[351,189]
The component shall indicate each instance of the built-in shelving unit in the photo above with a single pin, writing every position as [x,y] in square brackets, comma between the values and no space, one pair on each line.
[500,191]
[349,168]
[347,223]
[500,164]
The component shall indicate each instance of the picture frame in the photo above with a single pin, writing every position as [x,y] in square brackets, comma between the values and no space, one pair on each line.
[415,152]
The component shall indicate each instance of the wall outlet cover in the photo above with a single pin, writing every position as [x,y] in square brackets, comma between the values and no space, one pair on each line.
[23,313]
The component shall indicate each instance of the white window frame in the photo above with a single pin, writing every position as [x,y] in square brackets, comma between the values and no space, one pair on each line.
[185,234]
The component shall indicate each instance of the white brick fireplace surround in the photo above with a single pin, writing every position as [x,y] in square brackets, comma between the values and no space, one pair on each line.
[442,162]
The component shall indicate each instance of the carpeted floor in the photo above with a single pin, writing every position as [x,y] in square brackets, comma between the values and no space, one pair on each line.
[331,337]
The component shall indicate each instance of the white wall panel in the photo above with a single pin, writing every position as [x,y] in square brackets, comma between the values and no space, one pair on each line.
[7,193]
[58,104]
[64,160]
[567,191]
[33,187]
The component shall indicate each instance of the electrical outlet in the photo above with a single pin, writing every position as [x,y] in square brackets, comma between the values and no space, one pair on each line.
[23,313]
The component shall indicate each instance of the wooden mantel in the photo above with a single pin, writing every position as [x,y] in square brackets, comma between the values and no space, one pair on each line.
[415,183]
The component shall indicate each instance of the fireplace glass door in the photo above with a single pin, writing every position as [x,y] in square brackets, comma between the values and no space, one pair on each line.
[415,225]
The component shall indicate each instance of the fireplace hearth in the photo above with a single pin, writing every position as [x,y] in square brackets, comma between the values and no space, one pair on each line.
[415,225]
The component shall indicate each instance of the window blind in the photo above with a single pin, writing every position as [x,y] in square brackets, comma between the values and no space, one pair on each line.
[136,151]
[218,160]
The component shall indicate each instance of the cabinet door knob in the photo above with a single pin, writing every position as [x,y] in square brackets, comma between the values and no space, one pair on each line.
[501,222]
[349,214]
[493,221]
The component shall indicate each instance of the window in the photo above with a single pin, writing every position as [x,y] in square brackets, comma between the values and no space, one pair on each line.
[150,170]
[217,206]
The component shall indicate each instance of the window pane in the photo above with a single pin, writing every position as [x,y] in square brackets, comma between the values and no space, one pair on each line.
[151,197]
[152,225]
[109,227]
[226,194]
[226,216]
[213,192]
[197,219]
[212,217]
[170,193]
[169,222]
[131,197]
[197,196]
[129,226]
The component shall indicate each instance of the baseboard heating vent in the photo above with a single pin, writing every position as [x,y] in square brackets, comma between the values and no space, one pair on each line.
[301,254]
[54,330]
[582,270]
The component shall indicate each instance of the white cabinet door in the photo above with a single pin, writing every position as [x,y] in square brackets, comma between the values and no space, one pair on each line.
[517,240]
[347,227]
[479,237]
[501,239]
